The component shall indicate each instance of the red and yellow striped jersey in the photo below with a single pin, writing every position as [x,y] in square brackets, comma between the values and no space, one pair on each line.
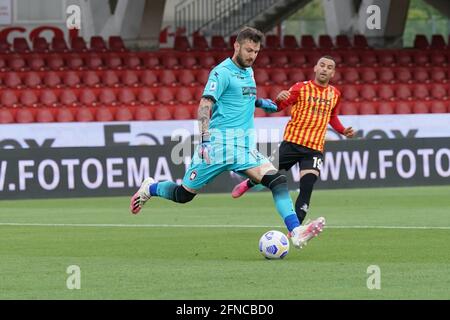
[312,108]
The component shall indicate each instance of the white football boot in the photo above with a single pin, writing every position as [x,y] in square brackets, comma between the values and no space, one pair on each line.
[141,196]
[302,234]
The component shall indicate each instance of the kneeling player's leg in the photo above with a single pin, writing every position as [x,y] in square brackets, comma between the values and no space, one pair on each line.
[307,180]
[268,176]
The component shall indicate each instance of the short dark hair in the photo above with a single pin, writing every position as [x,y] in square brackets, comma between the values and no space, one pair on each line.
[249,33]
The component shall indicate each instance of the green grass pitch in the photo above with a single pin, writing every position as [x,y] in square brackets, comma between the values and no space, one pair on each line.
[208,249]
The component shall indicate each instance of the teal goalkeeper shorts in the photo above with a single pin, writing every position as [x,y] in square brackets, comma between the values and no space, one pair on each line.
[223,158]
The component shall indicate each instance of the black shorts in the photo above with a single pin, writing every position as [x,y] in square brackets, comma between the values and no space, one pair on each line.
[290,154]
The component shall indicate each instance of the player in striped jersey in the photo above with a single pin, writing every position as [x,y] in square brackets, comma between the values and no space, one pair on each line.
[315,104]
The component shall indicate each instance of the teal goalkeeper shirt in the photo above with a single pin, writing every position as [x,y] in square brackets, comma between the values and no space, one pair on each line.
[233,91]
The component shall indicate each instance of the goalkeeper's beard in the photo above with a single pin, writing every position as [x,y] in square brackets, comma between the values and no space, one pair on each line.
[242,63]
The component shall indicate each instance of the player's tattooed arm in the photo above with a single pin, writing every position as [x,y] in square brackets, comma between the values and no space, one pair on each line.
[204,110]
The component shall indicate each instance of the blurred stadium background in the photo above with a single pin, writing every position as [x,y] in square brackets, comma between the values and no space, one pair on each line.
[89,99]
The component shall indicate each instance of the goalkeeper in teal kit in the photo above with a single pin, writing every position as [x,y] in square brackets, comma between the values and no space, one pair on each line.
[228,140]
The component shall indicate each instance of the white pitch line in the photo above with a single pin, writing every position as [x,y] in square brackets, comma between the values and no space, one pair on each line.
[203,226]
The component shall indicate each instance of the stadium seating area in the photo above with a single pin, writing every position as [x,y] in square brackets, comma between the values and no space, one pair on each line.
[103,81]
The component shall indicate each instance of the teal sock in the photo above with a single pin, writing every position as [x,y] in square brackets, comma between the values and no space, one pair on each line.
[285,208]
[163,189]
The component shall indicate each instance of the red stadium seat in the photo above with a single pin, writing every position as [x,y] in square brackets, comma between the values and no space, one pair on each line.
[274,91]
[421,59]
[352,59]
[386,58]
[342,42]
[198,92]
[437,42]
[360,41]
[420,92]
[78,44]
[126,96]
[113,61]
[130,78]
[143,114]
[438,59]
[6,116]
[403,92]
[91,79]
[386,107]
[33,80]
[24,115]
[421,42]
[278,76]
[262,76]
[168,78]
[107,97]
[8,98]
[439,92]
[162,113]
[88,97]
[350,93]
[48,98]
[29,98]
[438,75]
[134,62]
[165,95]
[403,107]
[148,78]
[84,115]
[149,61]
[259,113]
[325,42]
[218,43]
[146,96]
[368,108]
[5,47]
[55,62]
[202,76]
[17,63]
[36,62]
[273,42]
[181,112]
[115,43]
[59,45]
[420,107]
[296,75]
[68,97]
[20,45]
[189,62]
[404,58]
[351,75]
[186,78]
[307,42]
[385,92]
[110,79]
[104,114]
[420,75]
[369,75]
[290,42]
[52,80]
[439,107]
[280,59]
[181,43]
[232,40]
[98,44]
[71,79]
[75,62]
[207,62]
[368,93]
[13,80]
[94,62]
[386,75]
[44,115]
[40,45]
[123,114]
[170,61]
[369,59]
[349,108]
[184,95]
[199,43]
[64,115]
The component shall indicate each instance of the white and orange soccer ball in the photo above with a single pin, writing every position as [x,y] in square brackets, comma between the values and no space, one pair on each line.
[274,245]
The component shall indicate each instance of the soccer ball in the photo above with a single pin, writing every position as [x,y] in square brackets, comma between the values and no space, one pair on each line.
[274,245]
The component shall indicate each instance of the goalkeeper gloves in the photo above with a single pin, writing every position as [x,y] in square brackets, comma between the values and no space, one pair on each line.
[267,105]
